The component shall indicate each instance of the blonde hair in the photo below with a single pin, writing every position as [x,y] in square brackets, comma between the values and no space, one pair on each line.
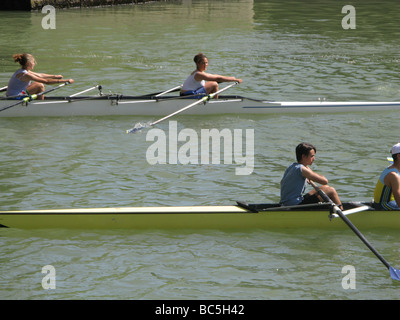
[23,58]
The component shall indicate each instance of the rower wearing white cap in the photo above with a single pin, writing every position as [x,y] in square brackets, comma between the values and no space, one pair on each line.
[387,190]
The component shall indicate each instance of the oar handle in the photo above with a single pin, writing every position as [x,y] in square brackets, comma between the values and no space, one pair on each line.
[78,93]
[34,96]
[204,99]
[212,95]
[168,91]
[323,195]
[55,88]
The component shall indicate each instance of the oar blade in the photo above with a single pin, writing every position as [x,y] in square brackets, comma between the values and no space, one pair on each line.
[138,127]
[394,273]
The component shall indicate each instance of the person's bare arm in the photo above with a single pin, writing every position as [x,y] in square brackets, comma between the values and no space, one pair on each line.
[311,175]
[393,180]
[215,77]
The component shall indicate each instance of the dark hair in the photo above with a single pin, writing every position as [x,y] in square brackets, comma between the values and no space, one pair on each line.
[199,58]
[304,148]
[23,58]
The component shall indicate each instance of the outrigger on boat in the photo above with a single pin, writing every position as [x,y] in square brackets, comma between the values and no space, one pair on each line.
[240,216]
[159,104]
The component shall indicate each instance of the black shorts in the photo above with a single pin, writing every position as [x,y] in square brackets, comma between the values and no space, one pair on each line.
[313,198]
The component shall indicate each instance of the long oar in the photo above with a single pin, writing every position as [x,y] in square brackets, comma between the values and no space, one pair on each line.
[3,89]
[168,91]
[34,96]
[394,273]
[204,99]
[158,94]
[84,91]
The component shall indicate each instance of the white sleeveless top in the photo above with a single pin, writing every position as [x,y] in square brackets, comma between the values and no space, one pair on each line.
[192,84]
[16,86]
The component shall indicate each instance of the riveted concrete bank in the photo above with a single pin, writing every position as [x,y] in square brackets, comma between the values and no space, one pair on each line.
[28,5]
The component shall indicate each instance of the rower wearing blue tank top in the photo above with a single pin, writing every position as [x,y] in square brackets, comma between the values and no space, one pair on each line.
[296,176]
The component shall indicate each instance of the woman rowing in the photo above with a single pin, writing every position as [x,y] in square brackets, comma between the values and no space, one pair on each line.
[26,82]
[201,83]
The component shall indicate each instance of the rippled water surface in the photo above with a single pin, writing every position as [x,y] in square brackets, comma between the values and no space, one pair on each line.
[283,51]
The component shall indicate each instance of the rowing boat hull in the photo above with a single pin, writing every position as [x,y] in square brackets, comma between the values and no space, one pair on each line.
[193,217]
[138,106]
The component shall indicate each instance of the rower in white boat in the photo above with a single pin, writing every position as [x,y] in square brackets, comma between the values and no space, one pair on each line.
[25,81]
[202,83]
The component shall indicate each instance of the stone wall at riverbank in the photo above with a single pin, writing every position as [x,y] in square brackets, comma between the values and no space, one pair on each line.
[28,5]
